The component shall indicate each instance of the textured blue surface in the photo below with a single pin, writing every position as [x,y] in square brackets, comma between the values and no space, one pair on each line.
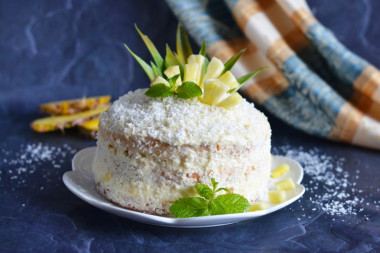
[62,49]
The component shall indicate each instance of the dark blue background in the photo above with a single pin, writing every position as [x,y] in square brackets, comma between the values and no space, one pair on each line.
[53,50]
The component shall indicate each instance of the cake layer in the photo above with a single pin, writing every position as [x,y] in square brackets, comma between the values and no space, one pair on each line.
[148,175]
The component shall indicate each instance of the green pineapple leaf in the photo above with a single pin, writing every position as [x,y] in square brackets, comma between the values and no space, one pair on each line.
[181,66]
[183,44]
[156,70]
[145,66]
[202,51]
[243,79]
[170,58]
[231,62]
[152,49]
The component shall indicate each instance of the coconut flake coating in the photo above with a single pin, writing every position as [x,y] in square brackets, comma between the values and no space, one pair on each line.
[179,121]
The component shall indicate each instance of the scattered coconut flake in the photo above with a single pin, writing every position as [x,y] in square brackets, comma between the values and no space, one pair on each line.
[31,157]
[329,187]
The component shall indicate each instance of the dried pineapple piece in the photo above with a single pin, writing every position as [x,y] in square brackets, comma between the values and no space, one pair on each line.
[68,107]
[280,170]
[285,185]
[65,121]
[257,206]
[214,90]
[276,196]
[229,79]
[231,101]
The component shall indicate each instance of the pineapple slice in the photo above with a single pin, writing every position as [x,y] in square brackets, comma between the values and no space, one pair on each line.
[214,69]
[285,185]
[67,107]
[257,206]
[192,73]
[229,79]
[214,90]
[90,128]
[173,71]
[276,197]
[159,79]
[231,101]
[66,121]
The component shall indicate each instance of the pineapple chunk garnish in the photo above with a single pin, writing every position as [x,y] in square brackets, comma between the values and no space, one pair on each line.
[214,69]
[257,206]
[196,58]
[276,196]
[173,71]
[214,90]
[192,73]
[229,79]
[285,185]
[280,170]
[231,101]
[158,80]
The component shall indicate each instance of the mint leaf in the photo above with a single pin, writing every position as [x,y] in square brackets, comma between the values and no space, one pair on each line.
[204,190]
[222,189]
[189,207]
[159,90]
[189,90]
[173,79]
[227,204]
[214,183]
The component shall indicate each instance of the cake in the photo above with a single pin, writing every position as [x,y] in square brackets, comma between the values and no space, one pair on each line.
[152,150]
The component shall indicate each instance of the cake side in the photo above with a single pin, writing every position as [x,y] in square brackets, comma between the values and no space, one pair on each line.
[147,175]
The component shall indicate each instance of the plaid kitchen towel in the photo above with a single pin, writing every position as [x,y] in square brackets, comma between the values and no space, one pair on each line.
[313,83]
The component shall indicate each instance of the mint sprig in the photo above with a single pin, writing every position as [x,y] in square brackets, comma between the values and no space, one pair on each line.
[207,205]
[185,90]
[188,90]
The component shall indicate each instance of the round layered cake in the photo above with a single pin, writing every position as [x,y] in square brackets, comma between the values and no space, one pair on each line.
[151,152]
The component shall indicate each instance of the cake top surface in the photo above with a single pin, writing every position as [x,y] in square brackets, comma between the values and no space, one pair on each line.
[184,122]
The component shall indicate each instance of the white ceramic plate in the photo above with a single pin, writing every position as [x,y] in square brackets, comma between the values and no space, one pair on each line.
[80,182]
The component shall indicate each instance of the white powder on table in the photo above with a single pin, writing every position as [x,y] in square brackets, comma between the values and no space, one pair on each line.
[29,158]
